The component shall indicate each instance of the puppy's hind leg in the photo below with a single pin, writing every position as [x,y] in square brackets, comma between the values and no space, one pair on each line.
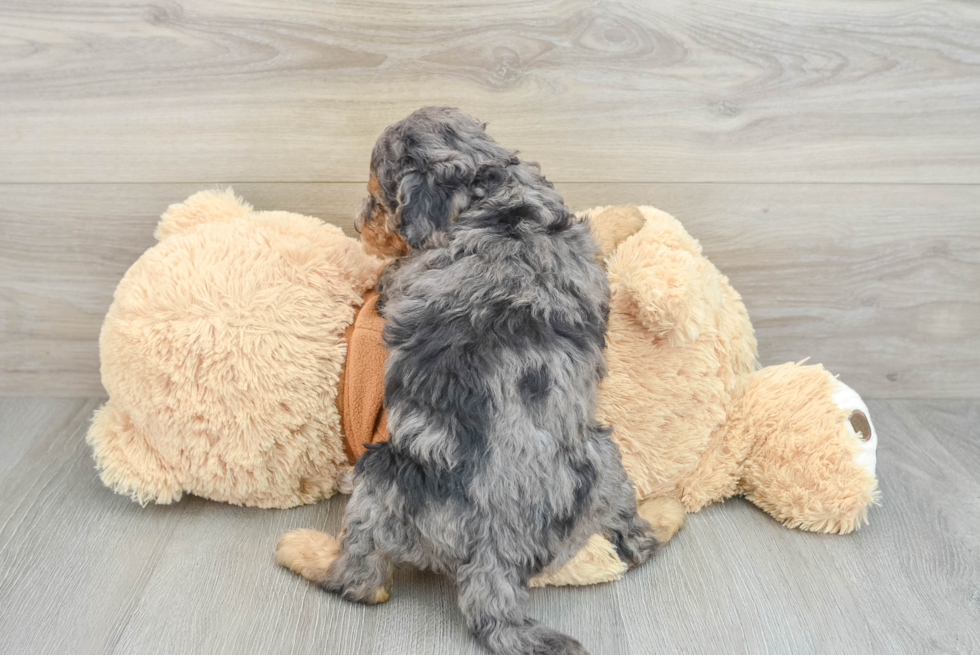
[493,598]
[633,537]
[362,572]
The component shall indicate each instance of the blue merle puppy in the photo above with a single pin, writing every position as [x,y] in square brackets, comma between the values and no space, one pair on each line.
[495,468]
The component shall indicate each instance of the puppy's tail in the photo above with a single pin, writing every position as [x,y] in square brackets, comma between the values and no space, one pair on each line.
[308,553]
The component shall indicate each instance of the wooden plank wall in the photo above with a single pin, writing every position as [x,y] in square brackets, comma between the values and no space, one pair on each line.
[826,153]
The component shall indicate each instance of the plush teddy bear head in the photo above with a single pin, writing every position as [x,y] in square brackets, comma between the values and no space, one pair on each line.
[221,354]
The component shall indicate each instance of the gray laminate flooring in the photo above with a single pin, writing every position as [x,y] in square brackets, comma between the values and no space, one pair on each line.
[83,570]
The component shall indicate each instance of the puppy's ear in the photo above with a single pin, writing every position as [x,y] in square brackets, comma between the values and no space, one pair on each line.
[429,200]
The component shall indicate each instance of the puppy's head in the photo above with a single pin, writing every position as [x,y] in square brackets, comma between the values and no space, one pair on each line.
[424,172]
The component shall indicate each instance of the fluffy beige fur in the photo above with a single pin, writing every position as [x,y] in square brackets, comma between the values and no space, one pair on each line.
[695,420]
[221,353]
[223,347]
[698,422]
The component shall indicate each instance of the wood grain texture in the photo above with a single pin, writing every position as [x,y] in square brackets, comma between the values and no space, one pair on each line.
[86,571]
[826,153]
[877,282]
[755,91]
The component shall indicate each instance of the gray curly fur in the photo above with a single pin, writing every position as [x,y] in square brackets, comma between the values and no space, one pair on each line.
[495,468]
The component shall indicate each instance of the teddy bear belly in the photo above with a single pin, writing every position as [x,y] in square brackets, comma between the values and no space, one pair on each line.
[663,414]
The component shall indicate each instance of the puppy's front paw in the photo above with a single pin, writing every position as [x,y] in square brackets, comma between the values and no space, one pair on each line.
[307,552]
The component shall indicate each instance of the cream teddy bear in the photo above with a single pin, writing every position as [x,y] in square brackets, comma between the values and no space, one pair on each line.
[243,361]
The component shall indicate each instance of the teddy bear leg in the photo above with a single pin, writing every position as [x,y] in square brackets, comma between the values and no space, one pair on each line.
[202,207]
[665,515]
[613,225]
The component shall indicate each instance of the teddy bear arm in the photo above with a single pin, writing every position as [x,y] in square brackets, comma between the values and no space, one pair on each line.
[716,476]
[610,226]
[664,287]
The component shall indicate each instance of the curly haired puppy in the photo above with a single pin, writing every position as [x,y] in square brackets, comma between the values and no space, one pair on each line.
[496,313]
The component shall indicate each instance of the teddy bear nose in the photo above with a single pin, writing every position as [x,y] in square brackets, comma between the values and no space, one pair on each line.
[859,421]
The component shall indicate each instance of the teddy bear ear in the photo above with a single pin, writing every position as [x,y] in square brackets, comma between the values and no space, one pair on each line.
[611,226]
[659,275]
[219,205]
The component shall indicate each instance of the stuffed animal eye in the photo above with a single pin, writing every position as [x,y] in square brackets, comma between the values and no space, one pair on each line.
[860,424]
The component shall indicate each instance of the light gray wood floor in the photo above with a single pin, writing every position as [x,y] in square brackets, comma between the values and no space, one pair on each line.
[85,571]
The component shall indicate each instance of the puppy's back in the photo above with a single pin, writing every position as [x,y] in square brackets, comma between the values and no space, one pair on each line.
[496,344]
